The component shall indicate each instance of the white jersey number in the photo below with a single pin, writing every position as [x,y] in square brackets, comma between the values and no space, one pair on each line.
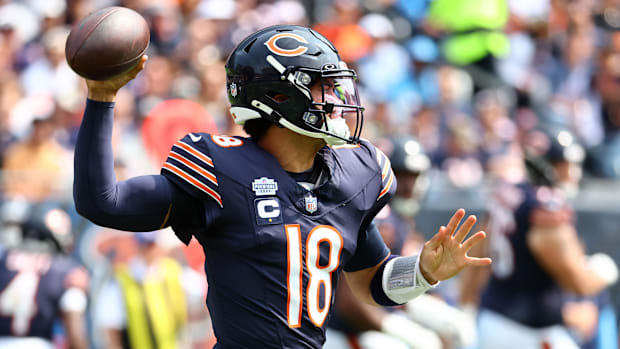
[501,225]
[226,141]
[17,300]
[318,274]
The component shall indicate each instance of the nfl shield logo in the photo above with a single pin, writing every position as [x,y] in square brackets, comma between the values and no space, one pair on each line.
[233,89]
[311,204]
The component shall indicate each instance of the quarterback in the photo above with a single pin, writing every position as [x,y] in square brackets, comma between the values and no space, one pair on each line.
[281,213]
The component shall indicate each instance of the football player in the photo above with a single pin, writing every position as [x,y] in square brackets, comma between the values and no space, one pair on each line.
[40,285]
[537,253]
[279,214]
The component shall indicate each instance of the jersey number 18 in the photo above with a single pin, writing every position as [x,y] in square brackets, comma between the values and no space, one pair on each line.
[318,274]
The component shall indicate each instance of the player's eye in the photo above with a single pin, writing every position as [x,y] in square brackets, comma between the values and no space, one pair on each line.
[339,92]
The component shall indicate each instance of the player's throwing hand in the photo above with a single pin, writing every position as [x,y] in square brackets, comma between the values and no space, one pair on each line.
[105,90]
[445,255]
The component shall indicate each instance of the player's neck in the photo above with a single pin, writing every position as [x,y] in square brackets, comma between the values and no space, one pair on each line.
[294,152]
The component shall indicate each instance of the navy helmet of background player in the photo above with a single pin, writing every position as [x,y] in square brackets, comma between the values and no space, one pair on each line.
[553,158]
[269,76]
[280,214]
[411,166]
[537,252]
[39,284]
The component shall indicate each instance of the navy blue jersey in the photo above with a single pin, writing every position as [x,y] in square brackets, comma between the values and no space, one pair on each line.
[273,248]
[519,287]
[31,285]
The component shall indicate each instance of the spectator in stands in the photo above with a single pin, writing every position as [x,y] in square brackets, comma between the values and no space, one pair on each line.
[150,301]
[34,168]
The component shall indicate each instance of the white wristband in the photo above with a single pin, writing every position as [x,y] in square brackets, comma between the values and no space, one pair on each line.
[73,300]
[403,281]
[604,266]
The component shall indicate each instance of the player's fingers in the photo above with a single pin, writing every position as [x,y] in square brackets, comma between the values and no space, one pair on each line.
[455,220]
[465,228]
[139,66]
[473,240]
[436,240]
[478,262]
[142,62]
[135,70]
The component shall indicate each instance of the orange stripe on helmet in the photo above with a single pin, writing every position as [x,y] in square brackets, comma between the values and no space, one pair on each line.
[272,45]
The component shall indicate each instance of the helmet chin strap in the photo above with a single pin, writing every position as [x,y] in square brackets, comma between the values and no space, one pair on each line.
[338,127]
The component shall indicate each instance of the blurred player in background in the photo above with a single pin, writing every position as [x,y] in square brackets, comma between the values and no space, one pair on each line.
[39,284]
[151,301]
[425,322]
[537,252]
[278,214]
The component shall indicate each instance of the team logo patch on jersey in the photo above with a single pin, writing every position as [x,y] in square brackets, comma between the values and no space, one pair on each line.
[268,211]
[312,204]
[264,186]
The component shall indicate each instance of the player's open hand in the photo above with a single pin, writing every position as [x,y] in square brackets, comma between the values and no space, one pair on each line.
[444,255]
[105,90]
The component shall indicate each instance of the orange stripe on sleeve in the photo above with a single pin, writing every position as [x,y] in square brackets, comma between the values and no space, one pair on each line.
[193,166]
[386,168]
[387,186]
[191,180]
[194,152]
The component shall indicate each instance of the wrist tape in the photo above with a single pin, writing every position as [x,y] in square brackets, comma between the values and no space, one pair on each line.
[399,280]
[403,280]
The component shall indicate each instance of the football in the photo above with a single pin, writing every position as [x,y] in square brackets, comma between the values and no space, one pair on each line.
[106,43]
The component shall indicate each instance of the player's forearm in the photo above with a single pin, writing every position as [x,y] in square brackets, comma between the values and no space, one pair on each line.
[362,316]
[94,161]
[567,263]
[141,203]
[76,332]
[587,280]
[359,283]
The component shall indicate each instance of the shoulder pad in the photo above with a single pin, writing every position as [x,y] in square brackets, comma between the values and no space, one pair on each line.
[387,175]
[367,150]
[189,165]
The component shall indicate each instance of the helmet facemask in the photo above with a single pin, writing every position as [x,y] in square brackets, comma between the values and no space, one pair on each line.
[337,103]
[327,114]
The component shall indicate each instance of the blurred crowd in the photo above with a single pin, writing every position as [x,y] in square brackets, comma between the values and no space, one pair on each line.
[471,80]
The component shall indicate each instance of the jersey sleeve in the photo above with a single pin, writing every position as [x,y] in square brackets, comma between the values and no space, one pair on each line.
[371,249]
[190,166]
[388,180]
